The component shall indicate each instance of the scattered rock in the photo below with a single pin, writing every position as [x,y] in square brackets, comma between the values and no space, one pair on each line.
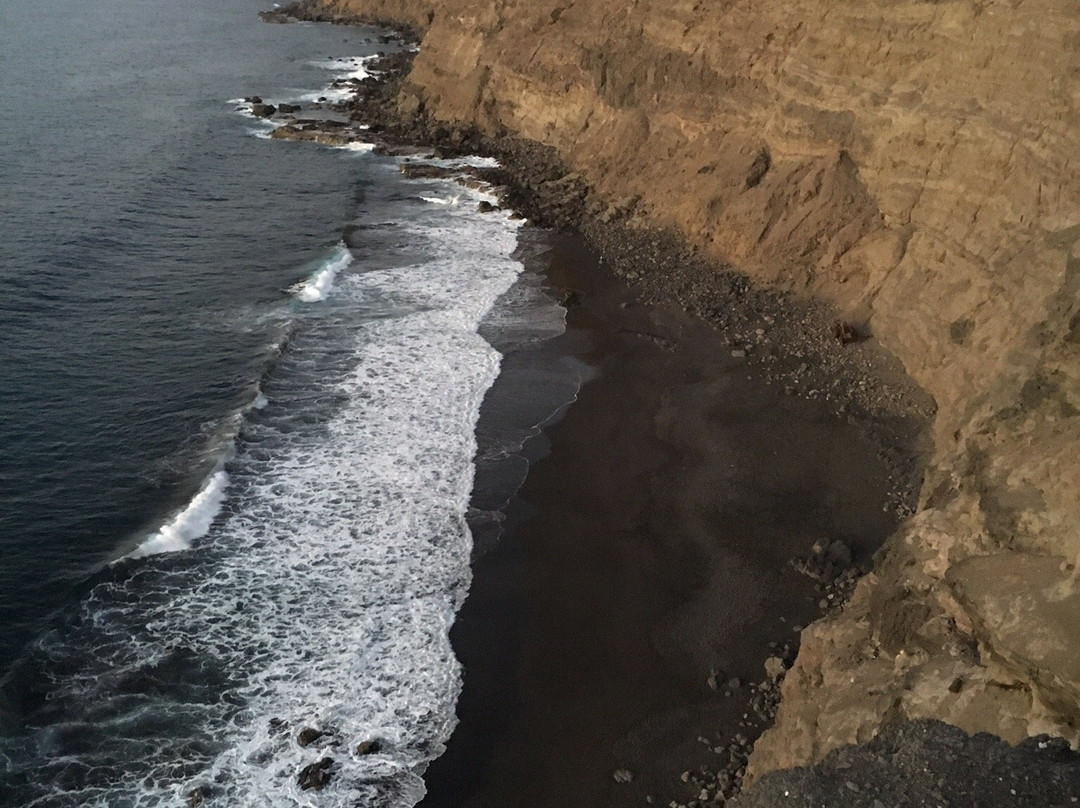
[775,668]
[486,207]
[926,763]
[845,333]
[263,110]
[254,99]
[427,171]
[308,736]
[622,776]
[288,108]
[316,775]
[198,795]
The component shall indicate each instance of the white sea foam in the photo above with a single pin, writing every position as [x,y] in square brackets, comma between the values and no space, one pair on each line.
[350,548]
[192,523]
[344,68]
[357,146]
[321,281]
[442,200]
[348,67]
[468,161]
[326,589]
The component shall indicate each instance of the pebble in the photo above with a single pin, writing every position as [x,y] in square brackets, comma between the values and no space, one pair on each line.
[622,776]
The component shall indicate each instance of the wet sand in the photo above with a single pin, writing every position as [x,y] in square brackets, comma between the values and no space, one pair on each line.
[648,554]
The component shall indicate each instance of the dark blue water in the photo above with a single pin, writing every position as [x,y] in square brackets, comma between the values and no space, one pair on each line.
[236,456]
[144,250]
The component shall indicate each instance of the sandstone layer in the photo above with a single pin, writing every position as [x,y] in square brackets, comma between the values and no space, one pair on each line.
[912,163]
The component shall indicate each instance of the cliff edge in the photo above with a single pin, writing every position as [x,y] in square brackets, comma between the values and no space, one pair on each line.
[914,164]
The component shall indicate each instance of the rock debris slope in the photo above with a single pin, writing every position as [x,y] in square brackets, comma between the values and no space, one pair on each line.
[915,164]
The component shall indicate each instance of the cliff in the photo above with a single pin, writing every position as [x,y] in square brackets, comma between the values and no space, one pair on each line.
[914,164]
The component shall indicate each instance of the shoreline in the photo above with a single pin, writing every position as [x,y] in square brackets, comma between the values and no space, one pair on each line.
[622,563]
[786,141]
[790,351]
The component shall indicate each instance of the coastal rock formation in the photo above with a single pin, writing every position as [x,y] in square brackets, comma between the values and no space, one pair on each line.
[912,163]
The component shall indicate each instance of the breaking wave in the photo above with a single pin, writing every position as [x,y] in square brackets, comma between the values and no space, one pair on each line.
[327,561]
[318,285]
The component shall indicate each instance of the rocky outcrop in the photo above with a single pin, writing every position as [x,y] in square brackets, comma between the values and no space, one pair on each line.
[912,163]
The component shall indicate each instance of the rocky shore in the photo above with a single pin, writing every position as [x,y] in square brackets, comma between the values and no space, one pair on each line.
[970,612]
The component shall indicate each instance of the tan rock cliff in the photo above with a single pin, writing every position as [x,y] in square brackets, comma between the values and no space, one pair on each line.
[914,163]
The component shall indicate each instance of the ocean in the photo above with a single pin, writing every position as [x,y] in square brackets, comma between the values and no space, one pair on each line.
[247,434]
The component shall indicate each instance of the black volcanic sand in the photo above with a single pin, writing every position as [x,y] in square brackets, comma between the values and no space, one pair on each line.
[651,554]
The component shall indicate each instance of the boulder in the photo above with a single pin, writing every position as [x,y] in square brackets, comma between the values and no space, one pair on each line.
[316,775]
[370,747]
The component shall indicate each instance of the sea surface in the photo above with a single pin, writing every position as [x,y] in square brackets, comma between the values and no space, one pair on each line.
[240,387]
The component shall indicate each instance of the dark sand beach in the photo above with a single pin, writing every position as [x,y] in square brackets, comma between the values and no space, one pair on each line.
[648,563]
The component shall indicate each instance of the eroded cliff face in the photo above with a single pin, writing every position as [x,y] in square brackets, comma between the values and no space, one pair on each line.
[914,163]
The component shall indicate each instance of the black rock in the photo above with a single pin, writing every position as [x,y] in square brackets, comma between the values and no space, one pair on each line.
[368,747]
[263,110]
[254,99]
[316,775]
[308,736]
[927,763]
[288,108]
[197,796]
[486,207]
